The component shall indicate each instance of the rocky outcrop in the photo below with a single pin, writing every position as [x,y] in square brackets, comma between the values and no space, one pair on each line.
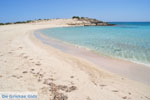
[85,21]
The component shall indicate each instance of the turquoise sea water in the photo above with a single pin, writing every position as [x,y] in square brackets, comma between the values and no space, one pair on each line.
[126,40]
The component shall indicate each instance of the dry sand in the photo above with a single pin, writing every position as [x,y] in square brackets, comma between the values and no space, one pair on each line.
[26,64]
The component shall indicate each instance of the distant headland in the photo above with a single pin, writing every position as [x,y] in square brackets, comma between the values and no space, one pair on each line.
[91,21]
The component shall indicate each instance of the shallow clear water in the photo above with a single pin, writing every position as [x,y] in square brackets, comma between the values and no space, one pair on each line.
[127,40]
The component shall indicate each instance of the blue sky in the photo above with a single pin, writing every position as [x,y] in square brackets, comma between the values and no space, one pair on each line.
[106,10]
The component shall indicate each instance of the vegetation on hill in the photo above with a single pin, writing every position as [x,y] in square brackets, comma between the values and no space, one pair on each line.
[1,23]
[75,17]
[22,22]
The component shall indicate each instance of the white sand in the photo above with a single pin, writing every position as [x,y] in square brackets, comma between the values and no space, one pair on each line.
[25,64]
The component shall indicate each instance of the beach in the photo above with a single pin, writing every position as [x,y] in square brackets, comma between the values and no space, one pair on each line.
[27,64]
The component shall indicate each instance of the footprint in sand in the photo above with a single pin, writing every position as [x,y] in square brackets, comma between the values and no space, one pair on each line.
[59,96]
[30,59]
[40,78]
[147,97]
[122,78]
[20,47]
[129,93]
[94,83]
[22,54]
[88,98]
[13,75]
[10,52]
[102,85]
[71,83]
[44,90]
[25,72]
[51,79]
[125,97]
[38,64]
[1,76]
[71,76]
[47,81]
[115,91]
[16,68]
[25,57]
[18,77]
[32,69]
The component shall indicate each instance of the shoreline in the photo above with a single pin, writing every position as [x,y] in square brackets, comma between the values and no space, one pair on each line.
[138,72]
[29,65]
[90,50]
